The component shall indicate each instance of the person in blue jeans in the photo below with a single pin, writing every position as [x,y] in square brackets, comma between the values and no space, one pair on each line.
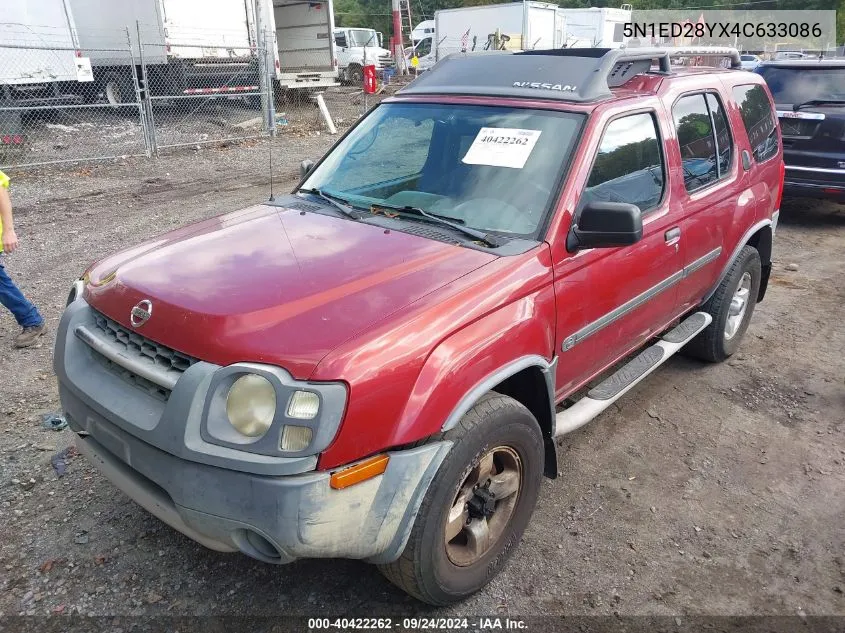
[25,313]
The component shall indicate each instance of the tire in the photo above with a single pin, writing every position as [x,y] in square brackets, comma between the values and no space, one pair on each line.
[721,338]
[118,89]
[501,430]
[355,75]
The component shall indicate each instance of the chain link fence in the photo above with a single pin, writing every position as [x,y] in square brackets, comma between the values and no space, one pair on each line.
[54,108]
[206,88]
[129,92]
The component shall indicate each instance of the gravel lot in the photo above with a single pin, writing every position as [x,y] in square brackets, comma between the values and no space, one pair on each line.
[708,490]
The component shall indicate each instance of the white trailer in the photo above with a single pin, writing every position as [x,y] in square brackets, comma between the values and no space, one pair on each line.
[595,27]
[514,26]
[38,60]
[188,46]
[300,36]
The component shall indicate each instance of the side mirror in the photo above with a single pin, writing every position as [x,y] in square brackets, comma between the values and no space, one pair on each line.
[305,168]
[606,225]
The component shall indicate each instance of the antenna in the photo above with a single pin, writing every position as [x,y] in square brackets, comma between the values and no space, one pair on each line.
[271,173]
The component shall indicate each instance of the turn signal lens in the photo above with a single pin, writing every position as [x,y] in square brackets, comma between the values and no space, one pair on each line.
[296,438]
[367,469]
[303,405]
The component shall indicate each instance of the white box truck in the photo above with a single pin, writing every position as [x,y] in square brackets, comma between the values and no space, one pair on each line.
[188,46]
[596,27]
[38,60]
[301,40]
[524,25]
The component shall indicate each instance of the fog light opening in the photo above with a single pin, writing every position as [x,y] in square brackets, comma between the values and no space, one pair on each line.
[253,544]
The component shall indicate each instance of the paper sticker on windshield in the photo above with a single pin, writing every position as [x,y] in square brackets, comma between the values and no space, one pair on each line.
[502,147]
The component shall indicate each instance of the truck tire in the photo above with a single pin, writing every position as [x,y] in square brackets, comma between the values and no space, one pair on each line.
[118,89]
[355,75]
[488,484]
[731,307]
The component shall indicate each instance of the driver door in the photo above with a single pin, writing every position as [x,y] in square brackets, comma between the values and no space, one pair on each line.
[610,300]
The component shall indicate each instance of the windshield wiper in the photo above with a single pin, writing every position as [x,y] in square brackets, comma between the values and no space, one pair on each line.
[336,201]
[480,236]
[815,102]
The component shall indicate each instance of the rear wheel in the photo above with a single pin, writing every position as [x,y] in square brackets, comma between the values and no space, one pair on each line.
[118,89]
[477,507]
[731,307]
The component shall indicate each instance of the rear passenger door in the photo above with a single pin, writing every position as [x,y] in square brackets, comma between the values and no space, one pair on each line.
[706,189]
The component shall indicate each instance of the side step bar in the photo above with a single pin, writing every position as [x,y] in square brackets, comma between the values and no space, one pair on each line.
[623,379]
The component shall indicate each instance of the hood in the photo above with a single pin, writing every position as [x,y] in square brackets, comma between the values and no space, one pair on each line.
[273,284]
[374,52]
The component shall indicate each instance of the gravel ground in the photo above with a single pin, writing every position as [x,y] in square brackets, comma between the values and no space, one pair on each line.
[708,490]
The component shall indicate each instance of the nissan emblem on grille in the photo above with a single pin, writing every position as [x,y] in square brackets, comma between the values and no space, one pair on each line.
[141,313]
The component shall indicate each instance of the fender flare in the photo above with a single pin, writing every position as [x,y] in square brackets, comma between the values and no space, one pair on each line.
[506,371]
[742,242]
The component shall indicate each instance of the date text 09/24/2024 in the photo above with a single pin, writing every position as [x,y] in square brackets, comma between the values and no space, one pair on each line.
[417,624]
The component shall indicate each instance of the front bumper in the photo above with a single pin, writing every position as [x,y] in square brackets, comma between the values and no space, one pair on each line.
[274,519]
[273,509]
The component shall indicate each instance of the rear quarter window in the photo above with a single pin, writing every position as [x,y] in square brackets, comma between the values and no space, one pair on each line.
[759,120]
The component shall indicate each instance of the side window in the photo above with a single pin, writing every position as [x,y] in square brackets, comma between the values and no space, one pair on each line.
[424,47]
[699,144]
[340,39]
[618,32]
[759,120]
[629,164]
[724,142]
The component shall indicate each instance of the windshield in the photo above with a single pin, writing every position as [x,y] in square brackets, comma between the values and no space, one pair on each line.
[488,168]
[362,37]
[797,85]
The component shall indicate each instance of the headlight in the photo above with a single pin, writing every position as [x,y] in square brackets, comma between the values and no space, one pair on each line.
[251,405]
[263,410]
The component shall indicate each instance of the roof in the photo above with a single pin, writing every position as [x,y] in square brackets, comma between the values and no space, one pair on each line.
[576,75]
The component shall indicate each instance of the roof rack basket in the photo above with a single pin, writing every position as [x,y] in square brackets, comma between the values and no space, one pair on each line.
[567,74]
[617,66]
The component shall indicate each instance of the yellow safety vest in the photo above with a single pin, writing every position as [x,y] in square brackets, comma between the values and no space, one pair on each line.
[4,182]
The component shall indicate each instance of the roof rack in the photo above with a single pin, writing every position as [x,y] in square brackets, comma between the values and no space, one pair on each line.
[567,74]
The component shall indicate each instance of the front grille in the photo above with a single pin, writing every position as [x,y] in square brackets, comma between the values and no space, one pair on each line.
[156,391]
[139,355]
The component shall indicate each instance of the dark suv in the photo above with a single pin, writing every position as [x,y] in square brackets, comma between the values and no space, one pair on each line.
[810,99]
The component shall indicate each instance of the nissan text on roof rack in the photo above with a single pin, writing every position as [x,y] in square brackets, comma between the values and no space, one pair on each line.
[377,365]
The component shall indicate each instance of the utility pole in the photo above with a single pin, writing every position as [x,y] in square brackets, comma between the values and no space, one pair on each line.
[398,46]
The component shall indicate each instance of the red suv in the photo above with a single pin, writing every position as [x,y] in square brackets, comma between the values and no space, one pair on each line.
[377,365]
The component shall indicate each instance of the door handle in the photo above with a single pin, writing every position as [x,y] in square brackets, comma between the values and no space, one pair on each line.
[672,236]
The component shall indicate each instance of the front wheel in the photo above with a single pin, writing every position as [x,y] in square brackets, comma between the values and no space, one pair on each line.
[478,505]
[355,75]
[731,307]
